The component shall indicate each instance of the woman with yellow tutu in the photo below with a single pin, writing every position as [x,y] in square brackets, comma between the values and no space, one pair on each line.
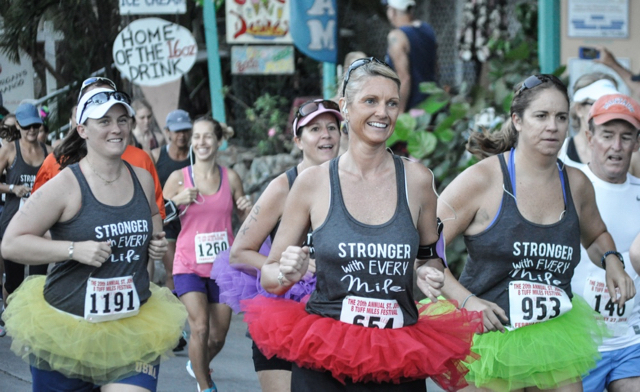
[524,214]
[95,321]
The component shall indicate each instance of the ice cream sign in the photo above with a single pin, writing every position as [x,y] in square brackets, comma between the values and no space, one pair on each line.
[153,51]
[258,21]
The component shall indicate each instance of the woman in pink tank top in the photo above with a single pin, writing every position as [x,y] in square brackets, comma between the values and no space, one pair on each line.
[206,195]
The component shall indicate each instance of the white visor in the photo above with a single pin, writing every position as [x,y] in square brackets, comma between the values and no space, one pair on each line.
[95,111]
[595,90]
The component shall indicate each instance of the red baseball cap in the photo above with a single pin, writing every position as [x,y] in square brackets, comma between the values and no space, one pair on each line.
[615,107]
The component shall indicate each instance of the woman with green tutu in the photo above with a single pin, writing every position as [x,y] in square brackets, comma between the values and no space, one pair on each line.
[95,322]
[523,215]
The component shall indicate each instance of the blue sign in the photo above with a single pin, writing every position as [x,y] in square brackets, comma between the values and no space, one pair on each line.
[314,28]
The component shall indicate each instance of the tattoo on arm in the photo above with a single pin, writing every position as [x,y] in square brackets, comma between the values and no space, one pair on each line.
[252,217]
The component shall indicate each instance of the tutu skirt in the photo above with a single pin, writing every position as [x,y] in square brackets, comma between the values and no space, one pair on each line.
[546,355]
[435,346]
[94,352]
[236,285]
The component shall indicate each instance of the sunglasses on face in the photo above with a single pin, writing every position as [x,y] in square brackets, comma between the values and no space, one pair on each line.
[30,127]
[359,63]
[311,107]
[104,97]
[95,80]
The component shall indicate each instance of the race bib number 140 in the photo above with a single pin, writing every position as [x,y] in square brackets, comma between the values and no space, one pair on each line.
[532,303]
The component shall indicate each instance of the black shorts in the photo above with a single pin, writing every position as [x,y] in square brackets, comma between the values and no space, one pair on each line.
[172,229]
[307,380]
[260,362]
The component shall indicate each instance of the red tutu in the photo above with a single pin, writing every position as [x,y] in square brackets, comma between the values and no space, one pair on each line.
[435,346]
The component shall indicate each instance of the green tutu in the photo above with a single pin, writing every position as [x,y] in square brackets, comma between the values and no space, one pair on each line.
[545,355]
[100,353]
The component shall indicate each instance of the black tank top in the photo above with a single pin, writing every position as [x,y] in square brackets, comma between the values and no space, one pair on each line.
[361,260]
[515,249]
[19,173]
[128,227]
[165,165]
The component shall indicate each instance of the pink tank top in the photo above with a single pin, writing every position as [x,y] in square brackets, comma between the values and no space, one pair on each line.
[206,228]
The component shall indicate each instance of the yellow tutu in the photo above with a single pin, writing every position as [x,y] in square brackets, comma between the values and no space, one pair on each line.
[95,352]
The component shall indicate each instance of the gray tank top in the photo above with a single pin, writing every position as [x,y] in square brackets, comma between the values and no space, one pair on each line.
[371,261]
[19,173]
[128,227]
[515,249]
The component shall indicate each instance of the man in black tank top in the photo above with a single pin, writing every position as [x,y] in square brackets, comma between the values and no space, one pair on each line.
[174,156]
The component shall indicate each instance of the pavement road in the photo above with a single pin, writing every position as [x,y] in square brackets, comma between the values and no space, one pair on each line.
[233,367]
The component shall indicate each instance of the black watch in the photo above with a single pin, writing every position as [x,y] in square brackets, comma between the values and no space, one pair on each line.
[611,252]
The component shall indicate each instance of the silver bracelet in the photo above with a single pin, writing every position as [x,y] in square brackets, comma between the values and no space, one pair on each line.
[466,299]
[71,251]
[281,279]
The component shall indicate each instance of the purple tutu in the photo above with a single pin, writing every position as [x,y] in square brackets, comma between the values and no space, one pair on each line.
[236,285]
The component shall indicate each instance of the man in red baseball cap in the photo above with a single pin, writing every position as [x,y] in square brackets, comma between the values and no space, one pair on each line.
[614,121]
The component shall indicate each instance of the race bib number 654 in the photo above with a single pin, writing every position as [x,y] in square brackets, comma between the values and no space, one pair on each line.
[532,303]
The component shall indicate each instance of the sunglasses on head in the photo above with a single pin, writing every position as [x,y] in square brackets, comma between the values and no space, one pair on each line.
[531,82]
[356,64]
[311,107]
[104,97]
[95,80]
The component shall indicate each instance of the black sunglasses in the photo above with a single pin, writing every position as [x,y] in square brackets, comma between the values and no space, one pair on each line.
[31,126]
[356,64]
[95,80]
[531,82]
[311,107]
[104,97]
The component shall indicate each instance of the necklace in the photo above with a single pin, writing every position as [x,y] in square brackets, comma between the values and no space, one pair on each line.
[107,182]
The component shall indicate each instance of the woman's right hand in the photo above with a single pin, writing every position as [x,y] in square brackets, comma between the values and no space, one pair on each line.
[91,253]
[491,313]
[294,263]
[21,190]
[186,196]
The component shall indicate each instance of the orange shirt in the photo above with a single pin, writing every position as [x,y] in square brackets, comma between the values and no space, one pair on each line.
[133,155]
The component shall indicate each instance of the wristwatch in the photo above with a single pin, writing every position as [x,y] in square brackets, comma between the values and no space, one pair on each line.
[11,188]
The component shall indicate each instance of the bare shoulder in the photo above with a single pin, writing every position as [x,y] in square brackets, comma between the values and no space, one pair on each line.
[396,36]
[313,178]
[278,188]
[577,178]
[155,154]
[62,190]
[417,173]
[475,182]
[143,175]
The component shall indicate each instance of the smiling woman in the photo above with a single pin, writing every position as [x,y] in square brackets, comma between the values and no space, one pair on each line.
[21,158]
[366,196]
[105,226]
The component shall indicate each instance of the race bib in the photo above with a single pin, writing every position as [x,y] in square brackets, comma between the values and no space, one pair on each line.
[208,245]
[110,299]
[616,317]
[532,303]
[371,312]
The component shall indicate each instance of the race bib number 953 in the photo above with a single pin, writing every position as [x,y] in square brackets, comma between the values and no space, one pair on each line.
[531,303]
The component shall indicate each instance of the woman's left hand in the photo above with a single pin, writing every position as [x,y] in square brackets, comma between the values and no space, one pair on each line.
[430,281]
[158,246]
[244,203]
[618,281]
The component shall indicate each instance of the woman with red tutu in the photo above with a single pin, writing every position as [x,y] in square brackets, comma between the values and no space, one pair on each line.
[374,224]
[316,129]
[524,214]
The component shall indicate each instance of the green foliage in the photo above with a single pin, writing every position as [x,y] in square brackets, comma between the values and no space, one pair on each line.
[268,124]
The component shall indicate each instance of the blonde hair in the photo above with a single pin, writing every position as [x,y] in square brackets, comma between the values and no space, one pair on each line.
[360,75]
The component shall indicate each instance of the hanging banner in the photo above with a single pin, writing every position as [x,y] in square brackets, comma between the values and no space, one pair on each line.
[262,60]
[153,51]
[315,29]
[16,81]
[146,7]
[258,21]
